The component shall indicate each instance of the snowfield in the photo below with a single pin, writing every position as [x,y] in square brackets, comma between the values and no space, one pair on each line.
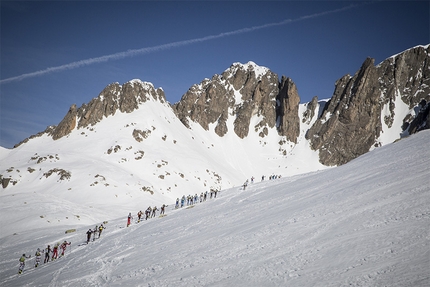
[366,223]
[79,178]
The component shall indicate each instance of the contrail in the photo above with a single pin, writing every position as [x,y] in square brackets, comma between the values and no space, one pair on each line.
[142,51]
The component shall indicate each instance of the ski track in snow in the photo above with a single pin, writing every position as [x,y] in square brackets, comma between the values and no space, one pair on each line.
[362,224]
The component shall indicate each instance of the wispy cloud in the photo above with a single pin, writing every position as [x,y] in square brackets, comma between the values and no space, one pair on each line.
[142,51]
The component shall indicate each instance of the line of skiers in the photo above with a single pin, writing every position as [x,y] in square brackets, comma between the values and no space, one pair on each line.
[150,212]
[271,177]
[48,250]
[194,199]
[245,184]
[96,231]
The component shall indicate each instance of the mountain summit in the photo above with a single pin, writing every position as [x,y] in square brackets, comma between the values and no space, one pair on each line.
[239,94]
[374,107]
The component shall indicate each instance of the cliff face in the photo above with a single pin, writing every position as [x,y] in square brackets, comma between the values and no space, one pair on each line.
[352,121]
[406,75]
[288,110]
[113,98]
[241,92]
[125,98]
[66,125]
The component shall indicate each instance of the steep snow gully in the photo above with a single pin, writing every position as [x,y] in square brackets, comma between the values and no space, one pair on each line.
[365,223]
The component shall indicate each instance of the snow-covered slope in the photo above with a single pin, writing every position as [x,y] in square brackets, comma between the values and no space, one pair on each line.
[104,170]
[365,223]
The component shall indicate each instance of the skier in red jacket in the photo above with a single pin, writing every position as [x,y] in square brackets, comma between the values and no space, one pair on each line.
[64,246]
[129,219]
[55,251]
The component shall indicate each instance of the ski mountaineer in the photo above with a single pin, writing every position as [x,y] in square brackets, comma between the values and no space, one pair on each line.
[139,215]
[245,184]
[129,219]
[96,230]
[64,246]
[177,203]
[89,235]
[148,212]
[47,251]
[154,210]
[22,263]
[162,209]
[55,251]
[101,229]
[38,254]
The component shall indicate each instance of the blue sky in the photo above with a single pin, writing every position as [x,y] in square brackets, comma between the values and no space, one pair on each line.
[179,43]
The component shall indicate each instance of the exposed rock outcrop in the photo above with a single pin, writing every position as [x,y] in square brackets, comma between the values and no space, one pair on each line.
[241,91]
[351,122]
[5,181]
[422,119]
[115,97]
[206,103]
[106,104]
[66,125]
[288,110]
[406,75]
[311,107]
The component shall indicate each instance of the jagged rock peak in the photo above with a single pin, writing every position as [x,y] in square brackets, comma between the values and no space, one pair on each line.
[406,74]
[115,97]
[350,122]
[241,91]
[259,71]
[415,50]
[363,106]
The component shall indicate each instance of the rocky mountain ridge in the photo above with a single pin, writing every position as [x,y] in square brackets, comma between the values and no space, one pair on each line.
[362,106]
[376,106]
[113,98]
[242,91]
